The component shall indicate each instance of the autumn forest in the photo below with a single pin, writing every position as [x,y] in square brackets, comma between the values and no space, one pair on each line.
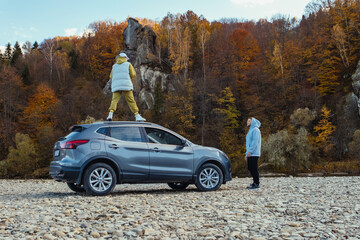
[294,75]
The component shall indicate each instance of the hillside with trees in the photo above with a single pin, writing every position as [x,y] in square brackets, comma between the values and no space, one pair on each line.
[294,75]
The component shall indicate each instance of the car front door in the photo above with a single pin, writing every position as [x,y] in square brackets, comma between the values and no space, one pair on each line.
[170,160]
[126,145]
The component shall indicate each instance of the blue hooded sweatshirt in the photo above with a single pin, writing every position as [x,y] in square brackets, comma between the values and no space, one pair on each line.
[253,138]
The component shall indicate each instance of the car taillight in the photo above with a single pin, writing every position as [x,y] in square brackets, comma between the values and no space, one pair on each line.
[73,144]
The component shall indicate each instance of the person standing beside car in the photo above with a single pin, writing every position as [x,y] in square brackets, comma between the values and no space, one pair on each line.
[121,76]
[253,149]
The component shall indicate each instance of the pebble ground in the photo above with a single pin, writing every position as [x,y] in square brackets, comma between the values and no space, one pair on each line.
[283,208]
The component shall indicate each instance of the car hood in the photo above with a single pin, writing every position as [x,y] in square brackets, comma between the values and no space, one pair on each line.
[195,146]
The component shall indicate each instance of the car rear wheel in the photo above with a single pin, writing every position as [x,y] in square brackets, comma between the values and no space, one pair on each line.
[209,177]
[99,179]
[178,186]
[75,187]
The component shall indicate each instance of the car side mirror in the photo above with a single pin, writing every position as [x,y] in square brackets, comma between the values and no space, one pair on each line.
[183,142]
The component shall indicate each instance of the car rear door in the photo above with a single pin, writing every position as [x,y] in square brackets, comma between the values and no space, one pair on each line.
[127,145]
[169,159]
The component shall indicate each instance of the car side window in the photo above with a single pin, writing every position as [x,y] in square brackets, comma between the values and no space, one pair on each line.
[162,137]
[129,134]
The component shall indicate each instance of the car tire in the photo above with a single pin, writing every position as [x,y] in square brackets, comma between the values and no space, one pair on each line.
[209,177]
[178,186]
[75,187]
[99,179]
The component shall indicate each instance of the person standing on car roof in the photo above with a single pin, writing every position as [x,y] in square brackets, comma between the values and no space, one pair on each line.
[253,149]
[121,76]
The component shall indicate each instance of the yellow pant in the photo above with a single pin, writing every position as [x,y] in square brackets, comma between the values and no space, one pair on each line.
[129,96]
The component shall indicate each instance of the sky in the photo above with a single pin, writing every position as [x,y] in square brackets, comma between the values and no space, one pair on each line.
[37,20]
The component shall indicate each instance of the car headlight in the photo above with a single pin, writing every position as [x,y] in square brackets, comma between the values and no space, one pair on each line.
[224,155]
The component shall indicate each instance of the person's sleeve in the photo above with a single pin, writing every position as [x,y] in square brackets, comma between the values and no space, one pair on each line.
[254,141]
[132,71]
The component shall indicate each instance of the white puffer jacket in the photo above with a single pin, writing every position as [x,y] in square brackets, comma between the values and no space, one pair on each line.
[121,80]
[121,75]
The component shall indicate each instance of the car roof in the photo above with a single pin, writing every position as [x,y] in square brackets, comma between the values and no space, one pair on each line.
[125,123]
[117,123]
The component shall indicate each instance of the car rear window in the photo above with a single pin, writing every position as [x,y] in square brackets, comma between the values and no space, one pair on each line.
[103,131]
[130,134]
[74,131]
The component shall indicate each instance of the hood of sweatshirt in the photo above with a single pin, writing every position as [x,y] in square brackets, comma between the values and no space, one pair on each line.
[255,123]
[120,60]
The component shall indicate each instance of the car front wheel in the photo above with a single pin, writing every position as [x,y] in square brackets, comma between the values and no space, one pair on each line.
[209,177]
[178,186]
[99,179]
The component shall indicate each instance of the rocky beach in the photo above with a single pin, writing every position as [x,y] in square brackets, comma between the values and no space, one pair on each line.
[283,208]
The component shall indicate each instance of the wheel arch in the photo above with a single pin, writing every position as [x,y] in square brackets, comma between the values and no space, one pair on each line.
[215,162]
[105,160]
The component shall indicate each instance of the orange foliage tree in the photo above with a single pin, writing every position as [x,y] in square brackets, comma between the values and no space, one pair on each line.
[244,52]
[39,112]
[324,130]
[100,49]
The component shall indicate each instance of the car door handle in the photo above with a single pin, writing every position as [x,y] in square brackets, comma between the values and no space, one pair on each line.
[156,149]
[114,146]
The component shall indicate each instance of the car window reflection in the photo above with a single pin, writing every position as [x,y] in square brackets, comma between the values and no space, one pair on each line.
[161,137]
[129,134]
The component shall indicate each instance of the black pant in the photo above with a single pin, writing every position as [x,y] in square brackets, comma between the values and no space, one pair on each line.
[253,168]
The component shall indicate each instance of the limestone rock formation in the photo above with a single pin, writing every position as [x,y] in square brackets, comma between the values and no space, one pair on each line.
[140,47]
[356,86]
[349,116]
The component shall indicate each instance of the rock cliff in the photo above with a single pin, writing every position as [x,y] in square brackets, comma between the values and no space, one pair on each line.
[355,96]
[140,47]
[349,116]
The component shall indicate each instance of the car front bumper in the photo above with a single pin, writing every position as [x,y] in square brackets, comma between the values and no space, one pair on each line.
[228,176]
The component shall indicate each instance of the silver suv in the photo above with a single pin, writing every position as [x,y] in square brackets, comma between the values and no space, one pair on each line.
[95,157]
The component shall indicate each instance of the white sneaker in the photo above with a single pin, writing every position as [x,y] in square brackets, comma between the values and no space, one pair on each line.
[139,118]
[109,118]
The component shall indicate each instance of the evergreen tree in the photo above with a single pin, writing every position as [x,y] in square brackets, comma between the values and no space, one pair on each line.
[35,45]
[8,52]
[25,75]
[73,58]
[16,53]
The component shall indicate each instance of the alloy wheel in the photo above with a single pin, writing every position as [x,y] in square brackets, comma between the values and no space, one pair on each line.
[209,178]
[100,179]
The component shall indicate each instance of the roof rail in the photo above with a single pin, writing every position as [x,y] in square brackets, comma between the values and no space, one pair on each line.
[125,122]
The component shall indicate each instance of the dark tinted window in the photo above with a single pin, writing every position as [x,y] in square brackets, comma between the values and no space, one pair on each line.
[74,131]
[71,135]
[130,134]
[159,136]
[103,130]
